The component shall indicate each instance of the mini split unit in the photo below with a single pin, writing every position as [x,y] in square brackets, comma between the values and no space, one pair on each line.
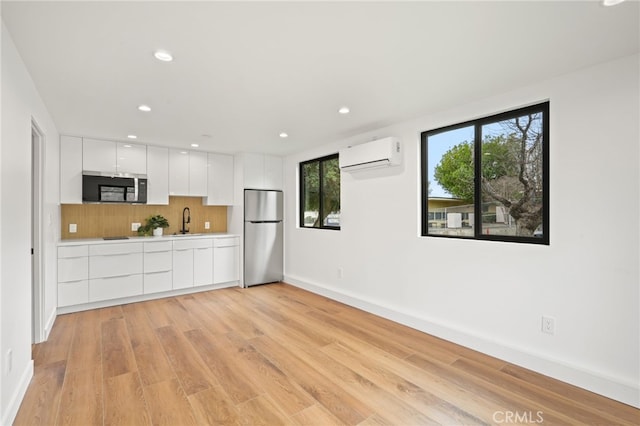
[375,154]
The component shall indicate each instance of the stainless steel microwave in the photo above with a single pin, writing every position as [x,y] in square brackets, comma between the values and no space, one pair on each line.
[98,188]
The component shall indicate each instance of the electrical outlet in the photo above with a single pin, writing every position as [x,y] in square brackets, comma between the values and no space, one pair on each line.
[73,228]
[548,325]
[340,272]
[207,225]
[135,226]
[9,365]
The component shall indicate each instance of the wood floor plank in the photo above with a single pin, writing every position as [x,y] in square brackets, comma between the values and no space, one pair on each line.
[86,347]
[286,394]
[431,405]
[81,399]
[260,411]
[332,396]
[316,415]
[118,357]
[42,401]
[277,354]
[153,364]
[218,356]
[213,407]
[545,399]
[193,373]
[57,347]
[168,404]
[124,401]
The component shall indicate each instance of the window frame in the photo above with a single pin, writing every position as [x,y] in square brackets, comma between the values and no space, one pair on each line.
[301,206]
[477,124]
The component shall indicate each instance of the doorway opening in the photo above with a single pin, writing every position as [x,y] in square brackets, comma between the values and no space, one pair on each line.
[37,287]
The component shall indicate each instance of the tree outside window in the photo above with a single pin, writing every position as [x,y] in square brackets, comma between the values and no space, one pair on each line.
[320,193]
[488,179]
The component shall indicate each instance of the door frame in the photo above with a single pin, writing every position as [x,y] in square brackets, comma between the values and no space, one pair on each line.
[37,259]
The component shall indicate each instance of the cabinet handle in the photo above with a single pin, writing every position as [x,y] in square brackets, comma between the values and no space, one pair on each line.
[72,282]
[115,254]
[114,276]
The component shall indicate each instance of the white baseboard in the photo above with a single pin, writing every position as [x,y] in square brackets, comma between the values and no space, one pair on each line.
[16,399]
[620,390]
[49,325]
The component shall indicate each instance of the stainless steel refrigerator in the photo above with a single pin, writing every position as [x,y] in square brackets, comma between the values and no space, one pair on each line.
[263,241]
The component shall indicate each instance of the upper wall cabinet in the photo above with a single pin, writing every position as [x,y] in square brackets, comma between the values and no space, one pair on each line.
[131,158]
[157,175]
[262,171]
[220,180]
[70,170]
[187,173]
[113,157]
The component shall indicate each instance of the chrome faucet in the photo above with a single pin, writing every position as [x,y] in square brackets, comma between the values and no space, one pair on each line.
[185,220]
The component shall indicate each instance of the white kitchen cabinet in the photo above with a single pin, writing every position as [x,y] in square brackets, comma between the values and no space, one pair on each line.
[115,271]
[178,172]
[272,172]
[73,275]
[131,158]
[158,267]
[104,272]
[219,180]
[99,156]
[203,263]
[226,259]
[70,170]
[262,171]
[157,175]
[187,173]
[115,287]
[198,174]
[182,268]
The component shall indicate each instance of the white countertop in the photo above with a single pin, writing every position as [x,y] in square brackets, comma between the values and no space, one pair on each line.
[171,237]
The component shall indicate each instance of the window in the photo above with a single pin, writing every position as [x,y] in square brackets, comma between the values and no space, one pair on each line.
[488,178]
[320,193]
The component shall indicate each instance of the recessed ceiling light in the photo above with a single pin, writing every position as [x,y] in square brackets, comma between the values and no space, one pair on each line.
[284,135]
[163,55]
[145,108]
[132,136]
[344,110]
[183,152]
[611,2]
[127,146]
[195,145]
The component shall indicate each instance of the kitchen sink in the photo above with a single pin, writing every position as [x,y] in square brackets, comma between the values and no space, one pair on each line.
[185,235]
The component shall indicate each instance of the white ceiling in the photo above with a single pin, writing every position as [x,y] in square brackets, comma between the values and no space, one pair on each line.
[244,72]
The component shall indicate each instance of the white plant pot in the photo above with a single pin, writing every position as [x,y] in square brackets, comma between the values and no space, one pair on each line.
[157,232]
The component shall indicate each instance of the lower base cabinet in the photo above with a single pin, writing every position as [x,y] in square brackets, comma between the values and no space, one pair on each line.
[98,272]
[115,287]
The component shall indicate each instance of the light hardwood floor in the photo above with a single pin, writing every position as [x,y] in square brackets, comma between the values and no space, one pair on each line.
[276,354]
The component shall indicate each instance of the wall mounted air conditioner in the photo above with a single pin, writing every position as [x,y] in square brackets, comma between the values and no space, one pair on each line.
[379,153]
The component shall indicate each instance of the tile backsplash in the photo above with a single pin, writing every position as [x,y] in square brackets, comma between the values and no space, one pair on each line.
[114,220]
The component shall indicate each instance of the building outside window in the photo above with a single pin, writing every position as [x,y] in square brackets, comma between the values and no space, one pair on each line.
[488,178]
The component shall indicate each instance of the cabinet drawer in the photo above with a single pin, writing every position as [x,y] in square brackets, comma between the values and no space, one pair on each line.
[226,241]
[157,246]
[157,261]
[192,244]
[111,249]
[73,251]
[115,265]
[115,287]
[73,269]
[156,282]
[73,293]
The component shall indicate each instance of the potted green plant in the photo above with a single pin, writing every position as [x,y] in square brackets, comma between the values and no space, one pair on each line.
[155,224]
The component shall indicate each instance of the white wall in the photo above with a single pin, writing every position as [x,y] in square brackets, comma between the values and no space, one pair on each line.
[491,295]
[20,105]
